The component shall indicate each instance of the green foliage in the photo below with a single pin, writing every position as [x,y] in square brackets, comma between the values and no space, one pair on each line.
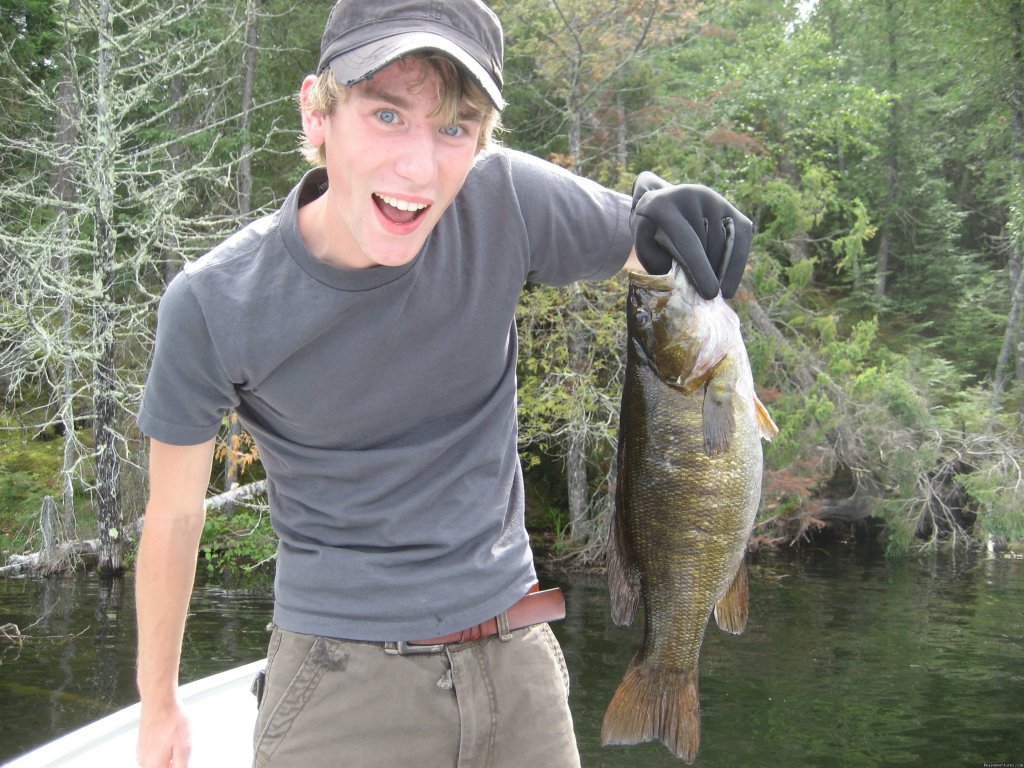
[571,354]
[20,496]
[849,132]
[29,470]
[558,524]
[30,29]
[804,420]
[30,464]
[243,541]
[999,498]
[849,249]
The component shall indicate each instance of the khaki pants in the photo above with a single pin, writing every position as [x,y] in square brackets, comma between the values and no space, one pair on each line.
[486,704]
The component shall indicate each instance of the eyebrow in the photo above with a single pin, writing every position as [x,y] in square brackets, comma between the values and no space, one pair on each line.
[376,93]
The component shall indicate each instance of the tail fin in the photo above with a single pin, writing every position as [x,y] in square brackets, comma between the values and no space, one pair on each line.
[655,704]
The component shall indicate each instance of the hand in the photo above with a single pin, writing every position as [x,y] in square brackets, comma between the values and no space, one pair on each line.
[694,226]
[164,738]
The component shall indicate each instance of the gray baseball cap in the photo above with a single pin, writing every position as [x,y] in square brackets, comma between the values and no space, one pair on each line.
[364,36]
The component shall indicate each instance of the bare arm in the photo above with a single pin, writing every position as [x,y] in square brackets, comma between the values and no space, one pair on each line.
[178,477]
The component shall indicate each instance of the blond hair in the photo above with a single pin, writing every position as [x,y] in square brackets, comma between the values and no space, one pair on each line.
[459,93]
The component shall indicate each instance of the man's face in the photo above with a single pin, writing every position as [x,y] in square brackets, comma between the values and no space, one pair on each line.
[393,167]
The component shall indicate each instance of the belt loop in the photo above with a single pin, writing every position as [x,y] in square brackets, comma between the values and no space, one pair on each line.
[504,633]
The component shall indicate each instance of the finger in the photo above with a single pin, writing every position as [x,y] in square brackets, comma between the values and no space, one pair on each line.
[646,182]
[653,257]
[733,273]
[681,242]
[669,206]
[697,269]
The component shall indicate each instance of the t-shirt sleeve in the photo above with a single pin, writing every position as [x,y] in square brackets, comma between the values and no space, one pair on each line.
[188,392]
[578,230]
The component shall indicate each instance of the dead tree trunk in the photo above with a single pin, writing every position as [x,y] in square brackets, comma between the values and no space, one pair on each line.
[576,451]
[65,138]
[231,464]
[108,506]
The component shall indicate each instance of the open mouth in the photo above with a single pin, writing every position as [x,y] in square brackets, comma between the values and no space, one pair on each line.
[399,211]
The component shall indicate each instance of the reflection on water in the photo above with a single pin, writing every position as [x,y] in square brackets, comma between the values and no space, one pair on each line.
[78,662]
[848,660]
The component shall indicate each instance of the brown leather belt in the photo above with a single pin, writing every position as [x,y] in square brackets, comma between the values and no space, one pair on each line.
[536,607]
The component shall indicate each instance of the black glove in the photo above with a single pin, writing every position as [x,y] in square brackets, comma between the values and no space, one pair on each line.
[705,234]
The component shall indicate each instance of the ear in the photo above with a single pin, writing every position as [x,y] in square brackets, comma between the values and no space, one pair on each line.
[312,121]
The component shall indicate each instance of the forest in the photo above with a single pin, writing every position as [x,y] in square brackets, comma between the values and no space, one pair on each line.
[878,146]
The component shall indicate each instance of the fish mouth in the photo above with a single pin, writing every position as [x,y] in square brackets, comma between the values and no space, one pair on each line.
[679,382]
[664,282]
[675,279]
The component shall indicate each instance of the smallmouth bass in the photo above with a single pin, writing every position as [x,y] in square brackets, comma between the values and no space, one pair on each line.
[689,485]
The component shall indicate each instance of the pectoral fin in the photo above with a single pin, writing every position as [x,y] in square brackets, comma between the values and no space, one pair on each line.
[764,420]
[731,610]
[719,421]
[623,577]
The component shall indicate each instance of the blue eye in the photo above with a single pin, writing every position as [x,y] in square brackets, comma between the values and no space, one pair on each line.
[387,116]
[452,130]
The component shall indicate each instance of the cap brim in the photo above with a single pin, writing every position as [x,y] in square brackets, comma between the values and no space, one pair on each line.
[361,64]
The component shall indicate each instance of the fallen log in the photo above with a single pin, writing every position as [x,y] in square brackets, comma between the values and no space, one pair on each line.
[62,557]
[236,495]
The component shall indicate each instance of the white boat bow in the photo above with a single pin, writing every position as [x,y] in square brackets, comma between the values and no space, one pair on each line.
[221,712]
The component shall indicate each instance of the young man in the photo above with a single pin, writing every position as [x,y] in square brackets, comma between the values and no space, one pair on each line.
[365,334]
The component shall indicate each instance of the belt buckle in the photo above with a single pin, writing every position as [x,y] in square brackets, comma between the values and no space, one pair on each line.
[403,648]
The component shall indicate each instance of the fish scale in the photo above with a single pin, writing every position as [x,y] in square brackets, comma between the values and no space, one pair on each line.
[689,482]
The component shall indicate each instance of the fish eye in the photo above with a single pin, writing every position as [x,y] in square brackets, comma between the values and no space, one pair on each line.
[643,316]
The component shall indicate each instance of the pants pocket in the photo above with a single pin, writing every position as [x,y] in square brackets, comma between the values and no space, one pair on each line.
[556,651]
[293,671]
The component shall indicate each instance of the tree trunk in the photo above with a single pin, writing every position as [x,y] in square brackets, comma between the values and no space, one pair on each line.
[891,164]
[882,267]
[1013,331]
[789,358]
[575,138]
[65,137]
[170,244]
[108,507]
[577,485]
[1017,341]
[621,136]
[576,451]
[244,208]
[252,10]
[1017,102]
[1015,322]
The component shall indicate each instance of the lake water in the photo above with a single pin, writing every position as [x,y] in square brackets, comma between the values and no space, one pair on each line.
[849,660]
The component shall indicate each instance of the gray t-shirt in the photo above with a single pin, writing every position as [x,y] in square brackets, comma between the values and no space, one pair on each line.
[383,400]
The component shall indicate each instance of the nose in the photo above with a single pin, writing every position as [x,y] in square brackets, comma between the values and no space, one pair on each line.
[416,160]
